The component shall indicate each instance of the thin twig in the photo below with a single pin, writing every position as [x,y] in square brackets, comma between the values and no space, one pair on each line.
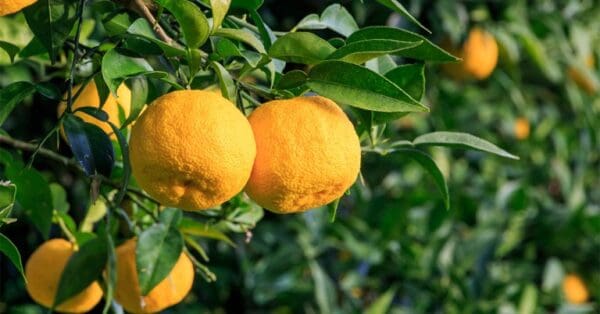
[75,55]
[140,7]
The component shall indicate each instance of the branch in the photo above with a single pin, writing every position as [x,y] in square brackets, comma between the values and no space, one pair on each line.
[140,7]
[71,163]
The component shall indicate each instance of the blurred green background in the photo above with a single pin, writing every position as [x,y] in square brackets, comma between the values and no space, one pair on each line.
[514,230]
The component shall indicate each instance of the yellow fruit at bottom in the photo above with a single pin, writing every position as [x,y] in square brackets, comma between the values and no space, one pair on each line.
[168,292]
[43,271]
[89,98]
[192,150]
[581,80]
[479,53]
[521,128]
[307,154]
[574,289]
[13,6]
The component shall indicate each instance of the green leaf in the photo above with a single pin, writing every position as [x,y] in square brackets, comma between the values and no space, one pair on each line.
[48,90]
[382,303]
[196,228]
[462,140]
[8,194]
[247,4]
[10,49]
[139,98]
[171,217]
[301,47]
[335,17]
[142,28]
[126,176]
[90,145]
[12,95]
[94,112]
[51,22]
[158,249]
[359,52]
[324,288]
[34,196]
[332,208]
[528,301]
[426,51]
[360,87]
[219,11]
[117,67]
[429,164]
[95,212]
[397,7]
[83,268]
[59,198]
[226,48]
[140,46]
[116,23]
[225,81]
[409,77]
[241,35]
[10,250]
[111,271]
[192,21]
[292,79]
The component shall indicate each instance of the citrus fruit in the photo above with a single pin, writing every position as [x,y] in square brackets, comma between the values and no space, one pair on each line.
[43,271]
[192,149]
[89,98]
[307,154]
[168,292]
[574,289]
[479,54]
[521,128]
[13,6]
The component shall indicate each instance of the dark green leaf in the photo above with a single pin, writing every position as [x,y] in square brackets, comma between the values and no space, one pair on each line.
[429,164]
[10,250]
[110,278]
[34,195]
[10,49]
[192,21]
[426,51]
[359,52]
[117,24]
[34,48]
[116,67]
[247,4]
[142,28]
[292,79]
[170,217]
[463,140]
[126,163]
[158,249]
[83,268]
[301,47]
[396,6]
[12,95]
[140,46]
[334,17]
[51,22]
[241,35]
[139,98]
[90,145]
[94,112]
[409,77]
[360,87]
[48,90]
[59,198]
[382,303]
[225,81]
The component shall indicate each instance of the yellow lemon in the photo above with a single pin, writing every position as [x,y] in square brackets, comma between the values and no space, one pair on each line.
[168,292]
[192,149]
[89,98]
[574,289]
[43,271]
[479,53]
[308,154]
[13,6]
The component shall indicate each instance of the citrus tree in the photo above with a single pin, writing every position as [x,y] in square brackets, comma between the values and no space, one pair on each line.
[177,122]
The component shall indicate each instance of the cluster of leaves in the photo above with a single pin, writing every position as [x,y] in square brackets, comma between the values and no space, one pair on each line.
[378,72]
